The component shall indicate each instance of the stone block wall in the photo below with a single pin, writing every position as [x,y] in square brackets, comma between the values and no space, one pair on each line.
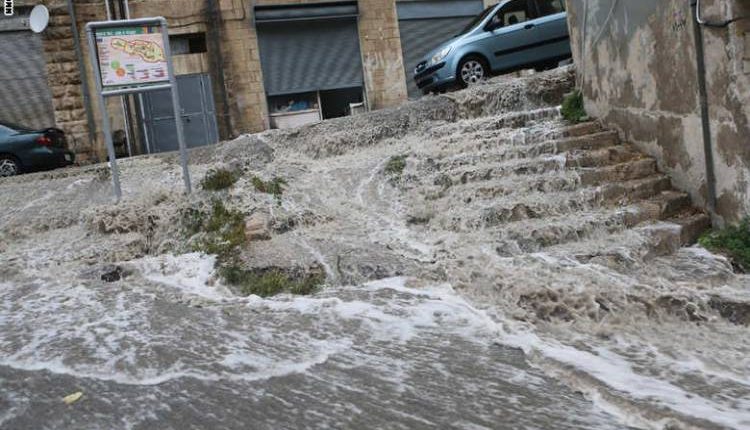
[382,60]
[64,78]
[240,101]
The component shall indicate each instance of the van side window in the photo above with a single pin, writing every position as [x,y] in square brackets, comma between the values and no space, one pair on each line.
[550,7]
[512,13]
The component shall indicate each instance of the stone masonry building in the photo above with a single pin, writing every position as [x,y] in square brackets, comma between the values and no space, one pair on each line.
[245,65]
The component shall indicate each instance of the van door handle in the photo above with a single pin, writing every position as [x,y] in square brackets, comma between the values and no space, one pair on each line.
[528,26]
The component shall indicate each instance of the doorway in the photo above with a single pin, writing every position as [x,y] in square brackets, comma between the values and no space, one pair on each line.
[337,103]
[198,115]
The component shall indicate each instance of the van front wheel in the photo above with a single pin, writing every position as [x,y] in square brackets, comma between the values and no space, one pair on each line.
[471,70]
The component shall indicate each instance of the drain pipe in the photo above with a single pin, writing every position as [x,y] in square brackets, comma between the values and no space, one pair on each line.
[705,119]
[82,67]
[214,38]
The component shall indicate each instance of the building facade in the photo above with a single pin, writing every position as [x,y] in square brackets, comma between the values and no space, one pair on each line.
[243,66]
[677,89]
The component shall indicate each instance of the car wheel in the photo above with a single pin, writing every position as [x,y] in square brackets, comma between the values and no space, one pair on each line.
[471,70]
[9,166]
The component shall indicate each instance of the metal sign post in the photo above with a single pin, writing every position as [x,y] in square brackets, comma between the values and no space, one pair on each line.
[129,57]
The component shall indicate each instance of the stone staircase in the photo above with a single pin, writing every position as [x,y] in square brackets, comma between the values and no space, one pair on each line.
[541,185]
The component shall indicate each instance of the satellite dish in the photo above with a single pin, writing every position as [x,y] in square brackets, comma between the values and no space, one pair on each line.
[39,18]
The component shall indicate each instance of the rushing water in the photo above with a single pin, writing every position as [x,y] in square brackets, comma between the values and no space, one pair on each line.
[510,277]
[379,355]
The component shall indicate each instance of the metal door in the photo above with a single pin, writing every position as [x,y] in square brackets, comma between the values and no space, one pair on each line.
[25,97]
[313,55]
[198,115]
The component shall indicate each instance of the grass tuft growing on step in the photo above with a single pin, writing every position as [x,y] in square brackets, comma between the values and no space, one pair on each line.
[733,242]
[219,179]
[396,165]
[269,283]
[220,230]
[274,186]
[572,107]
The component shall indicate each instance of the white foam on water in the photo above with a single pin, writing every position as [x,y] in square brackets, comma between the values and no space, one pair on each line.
[614,371]
[189,273]
[109,332]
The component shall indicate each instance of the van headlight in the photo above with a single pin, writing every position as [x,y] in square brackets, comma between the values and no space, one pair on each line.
[440,56]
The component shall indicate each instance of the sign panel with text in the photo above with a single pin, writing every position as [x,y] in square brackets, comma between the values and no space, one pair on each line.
[131,56]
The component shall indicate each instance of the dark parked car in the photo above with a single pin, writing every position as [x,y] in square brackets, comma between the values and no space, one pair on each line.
[511,35]
[23,150]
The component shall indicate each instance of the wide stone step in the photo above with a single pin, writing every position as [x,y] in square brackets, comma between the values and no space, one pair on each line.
[578,158]
[635,189]
[540,205]
[590,141]
[537,234]
[618,172]
[582,129]
[490,171]
[603,157]
[693,224]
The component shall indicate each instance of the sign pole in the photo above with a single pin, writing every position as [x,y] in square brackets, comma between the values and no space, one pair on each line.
[127,59]
[177,108]
[106,128]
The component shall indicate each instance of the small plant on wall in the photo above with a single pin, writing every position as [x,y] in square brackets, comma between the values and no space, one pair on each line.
[573,109]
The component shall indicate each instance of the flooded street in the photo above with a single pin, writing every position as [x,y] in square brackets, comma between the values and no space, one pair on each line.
[380,355]
[511,271]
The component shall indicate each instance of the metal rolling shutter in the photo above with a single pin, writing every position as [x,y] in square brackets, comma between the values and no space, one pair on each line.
[424,25]
[309,48]
[25,97]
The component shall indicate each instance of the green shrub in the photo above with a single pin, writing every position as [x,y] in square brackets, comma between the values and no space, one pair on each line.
[269,283]
[732,241]
[275,186]
[222,230]
[396,165]
[572,107]
[219,179]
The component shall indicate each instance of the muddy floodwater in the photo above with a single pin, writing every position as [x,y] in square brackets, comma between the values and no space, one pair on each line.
[487,266]
[379,355]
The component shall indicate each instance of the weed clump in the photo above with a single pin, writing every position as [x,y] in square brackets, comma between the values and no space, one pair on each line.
[220,230]
[275,186]
[572,107]
[269,282]
[732,241]
[396,165]
[219,179]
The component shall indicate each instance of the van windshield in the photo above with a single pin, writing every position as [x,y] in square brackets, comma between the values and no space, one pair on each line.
[474,22]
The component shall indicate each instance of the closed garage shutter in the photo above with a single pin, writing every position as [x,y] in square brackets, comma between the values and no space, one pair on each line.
[309,48]
[24,93]
[426,24]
